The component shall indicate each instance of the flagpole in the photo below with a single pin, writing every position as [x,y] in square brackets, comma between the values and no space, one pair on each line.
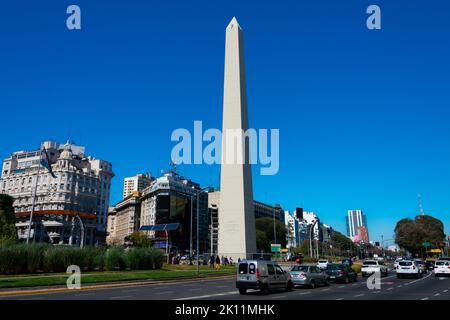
[33,203]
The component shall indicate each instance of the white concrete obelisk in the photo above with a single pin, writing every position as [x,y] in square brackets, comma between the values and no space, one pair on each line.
[237,237]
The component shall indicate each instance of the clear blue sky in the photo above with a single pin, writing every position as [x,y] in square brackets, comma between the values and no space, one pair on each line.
[363,115]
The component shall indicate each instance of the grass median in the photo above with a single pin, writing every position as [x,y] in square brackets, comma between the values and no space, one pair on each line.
[169,272]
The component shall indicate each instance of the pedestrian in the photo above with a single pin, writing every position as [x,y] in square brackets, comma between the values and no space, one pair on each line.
[217,263]
[211,262]
[239,260]
[231,260]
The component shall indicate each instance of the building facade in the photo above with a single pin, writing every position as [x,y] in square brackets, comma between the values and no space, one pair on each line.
[75,198]
[136,184]
[124,219]
[354,220]
[173,199]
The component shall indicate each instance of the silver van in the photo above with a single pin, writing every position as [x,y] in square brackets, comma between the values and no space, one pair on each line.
[261,275]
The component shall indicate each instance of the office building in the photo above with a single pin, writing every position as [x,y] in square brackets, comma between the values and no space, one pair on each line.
[136,184]
[76,196]
[355,219]
[124,219]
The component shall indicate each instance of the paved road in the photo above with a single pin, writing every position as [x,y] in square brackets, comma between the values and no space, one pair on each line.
[427,288]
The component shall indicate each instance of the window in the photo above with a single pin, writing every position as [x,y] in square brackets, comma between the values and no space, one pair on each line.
[271,269]
[243,268]
[278,270]
[251,268]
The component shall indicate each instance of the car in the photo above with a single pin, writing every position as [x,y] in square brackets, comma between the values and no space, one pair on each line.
[421,265]
[441,267]
[430,265]
[310,276]
[444,259]
[322,263]
[408,268]
[396,262]
[369,267]
[263,275]
[348,262]
[341,273]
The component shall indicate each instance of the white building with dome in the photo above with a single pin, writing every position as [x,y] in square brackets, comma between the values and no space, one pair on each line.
[77,196]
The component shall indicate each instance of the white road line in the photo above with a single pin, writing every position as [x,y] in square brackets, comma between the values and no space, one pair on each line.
[210,295]
[389,289]
[421,279]
[121,297]
[340,299]
[358,295]
[278,297]
[355,284]
[437,294]
[341,287]
[425,298]
[302,293]
[445,290]
[325,290]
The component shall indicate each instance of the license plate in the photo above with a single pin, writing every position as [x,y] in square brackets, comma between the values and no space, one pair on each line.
[244,278]
[405,268]
[332,277]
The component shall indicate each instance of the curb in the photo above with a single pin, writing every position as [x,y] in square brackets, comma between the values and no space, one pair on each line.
[111,285]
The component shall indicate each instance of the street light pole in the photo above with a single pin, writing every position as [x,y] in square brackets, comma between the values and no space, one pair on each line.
[192,213]
[198,224]
[33,201]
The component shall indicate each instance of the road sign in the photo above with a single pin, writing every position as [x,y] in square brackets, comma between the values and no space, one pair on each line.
[275,247]
[426,244]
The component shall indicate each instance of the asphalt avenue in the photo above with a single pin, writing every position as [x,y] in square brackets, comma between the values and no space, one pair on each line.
[427,288]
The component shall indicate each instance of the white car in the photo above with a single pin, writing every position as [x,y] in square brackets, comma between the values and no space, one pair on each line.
[408,268]
[396,262]
[322,263]
[441,267]
[371,266]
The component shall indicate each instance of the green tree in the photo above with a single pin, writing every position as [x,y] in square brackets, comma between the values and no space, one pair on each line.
[8,232]
[265,236]
[342,244]
[140,239]
[411,234]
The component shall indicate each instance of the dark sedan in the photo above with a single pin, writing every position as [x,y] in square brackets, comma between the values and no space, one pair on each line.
[341,273]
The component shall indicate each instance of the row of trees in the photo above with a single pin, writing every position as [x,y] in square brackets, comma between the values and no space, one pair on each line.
[8,233]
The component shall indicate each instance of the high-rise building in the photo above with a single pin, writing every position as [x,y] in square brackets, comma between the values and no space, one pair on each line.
[76,196]
[355,219]
[136,184]
[173,199]
[237,234]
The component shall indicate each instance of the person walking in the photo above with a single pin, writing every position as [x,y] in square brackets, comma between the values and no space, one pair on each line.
[211,262]
[217,263]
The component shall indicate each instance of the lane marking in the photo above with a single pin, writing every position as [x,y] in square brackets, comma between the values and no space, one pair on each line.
[389,289]
[325,290]
[340,299]
[358,295]
[302,293]
[341,287]
[121,297]
[437,294]
[425,298]
[278,297]
[445,290]
[211,295]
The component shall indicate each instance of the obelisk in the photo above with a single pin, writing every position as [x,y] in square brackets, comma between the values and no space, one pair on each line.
[237,236]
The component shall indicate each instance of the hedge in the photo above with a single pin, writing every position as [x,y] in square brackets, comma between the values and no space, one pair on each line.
[35,258]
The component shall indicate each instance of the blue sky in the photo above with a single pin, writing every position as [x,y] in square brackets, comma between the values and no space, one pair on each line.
[363,115]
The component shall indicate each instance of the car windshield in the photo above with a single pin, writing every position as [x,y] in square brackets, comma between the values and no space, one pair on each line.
[440,263]
[323,261]
[405,263]
[300,268]
[334,267]
[370,263]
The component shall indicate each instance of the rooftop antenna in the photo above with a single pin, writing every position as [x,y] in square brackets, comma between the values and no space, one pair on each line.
[422,212]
